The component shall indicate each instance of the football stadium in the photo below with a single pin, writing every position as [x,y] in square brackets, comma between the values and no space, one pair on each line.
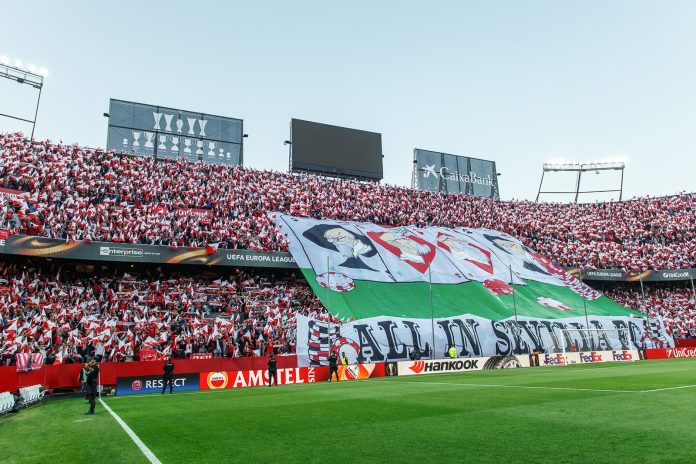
[273,269]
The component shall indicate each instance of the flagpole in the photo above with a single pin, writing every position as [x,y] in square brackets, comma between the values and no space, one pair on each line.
[328,296]
[432,312]
[693,291]
[642,290]
[514,305]
[587,321]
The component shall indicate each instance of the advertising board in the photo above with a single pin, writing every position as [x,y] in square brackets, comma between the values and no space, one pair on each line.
[153,384]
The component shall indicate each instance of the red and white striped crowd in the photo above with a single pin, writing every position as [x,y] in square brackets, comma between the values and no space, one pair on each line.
[85,193]
[68,316]
[676,303]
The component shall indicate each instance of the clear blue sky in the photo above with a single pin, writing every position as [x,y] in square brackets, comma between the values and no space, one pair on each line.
[518,82]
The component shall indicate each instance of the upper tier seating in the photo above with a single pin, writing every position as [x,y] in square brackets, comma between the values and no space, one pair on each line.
[86,193]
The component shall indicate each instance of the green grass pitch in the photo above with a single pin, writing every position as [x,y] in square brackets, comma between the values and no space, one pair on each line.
[642,412]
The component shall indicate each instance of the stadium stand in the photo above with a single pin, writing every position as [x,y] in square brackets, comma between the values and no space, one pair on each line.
[674,302]
[86,193]
[117,315]
[74,193]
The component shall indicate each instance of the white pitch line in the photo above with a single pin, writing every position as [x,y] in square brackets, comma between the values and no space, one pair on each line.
[529,387]
[136,439]
[668,388]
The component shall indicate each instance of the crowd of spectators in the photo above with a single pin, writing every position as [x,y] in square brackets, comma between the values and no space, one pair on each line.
[68,312]
[116,315]
[676,303]
[67,192]
[85,193]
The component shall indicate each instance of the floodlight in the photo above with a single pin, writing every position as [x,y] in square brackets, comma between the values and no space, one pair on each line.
[596,165]
[12,70]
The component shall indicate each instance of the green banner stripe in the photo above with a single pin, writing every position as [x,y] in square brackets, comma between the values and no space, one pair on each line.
[371,299]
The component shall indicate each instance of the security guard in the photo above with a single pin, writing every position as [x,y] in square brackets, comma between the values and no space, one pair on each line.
[344,359]
[272,371]
[92,378]
[333,366]
[452,352]
[168,376]
[83,381]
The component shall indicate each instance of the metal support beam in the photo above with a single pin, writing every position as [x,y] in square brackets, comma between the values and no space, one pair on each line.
[581,168]
[24,77]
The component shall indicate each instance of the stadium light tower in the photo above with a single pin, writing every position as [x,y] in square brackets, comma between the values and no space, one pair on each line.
[580,167]
[30,76]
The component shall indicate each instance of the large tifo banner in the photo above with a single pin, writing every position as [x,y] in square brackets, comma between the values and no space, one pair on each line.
[404,289]
[380,339]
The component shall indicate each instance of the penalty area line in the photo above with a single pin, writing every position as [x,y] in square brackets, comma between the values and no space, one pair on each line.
[136,439]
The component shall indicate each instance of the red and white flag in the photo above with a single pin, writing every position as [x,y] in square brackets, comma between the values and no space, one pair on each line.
[211,248]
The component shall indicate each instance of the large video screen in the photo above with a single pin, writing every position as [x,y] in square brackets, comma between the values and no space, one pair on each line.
[442,172]
[333,150]
[149,130]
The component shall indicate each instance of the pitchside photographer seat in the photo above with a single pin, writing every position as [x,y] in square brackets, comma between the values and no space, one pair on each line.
[6,402]
[29,395]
